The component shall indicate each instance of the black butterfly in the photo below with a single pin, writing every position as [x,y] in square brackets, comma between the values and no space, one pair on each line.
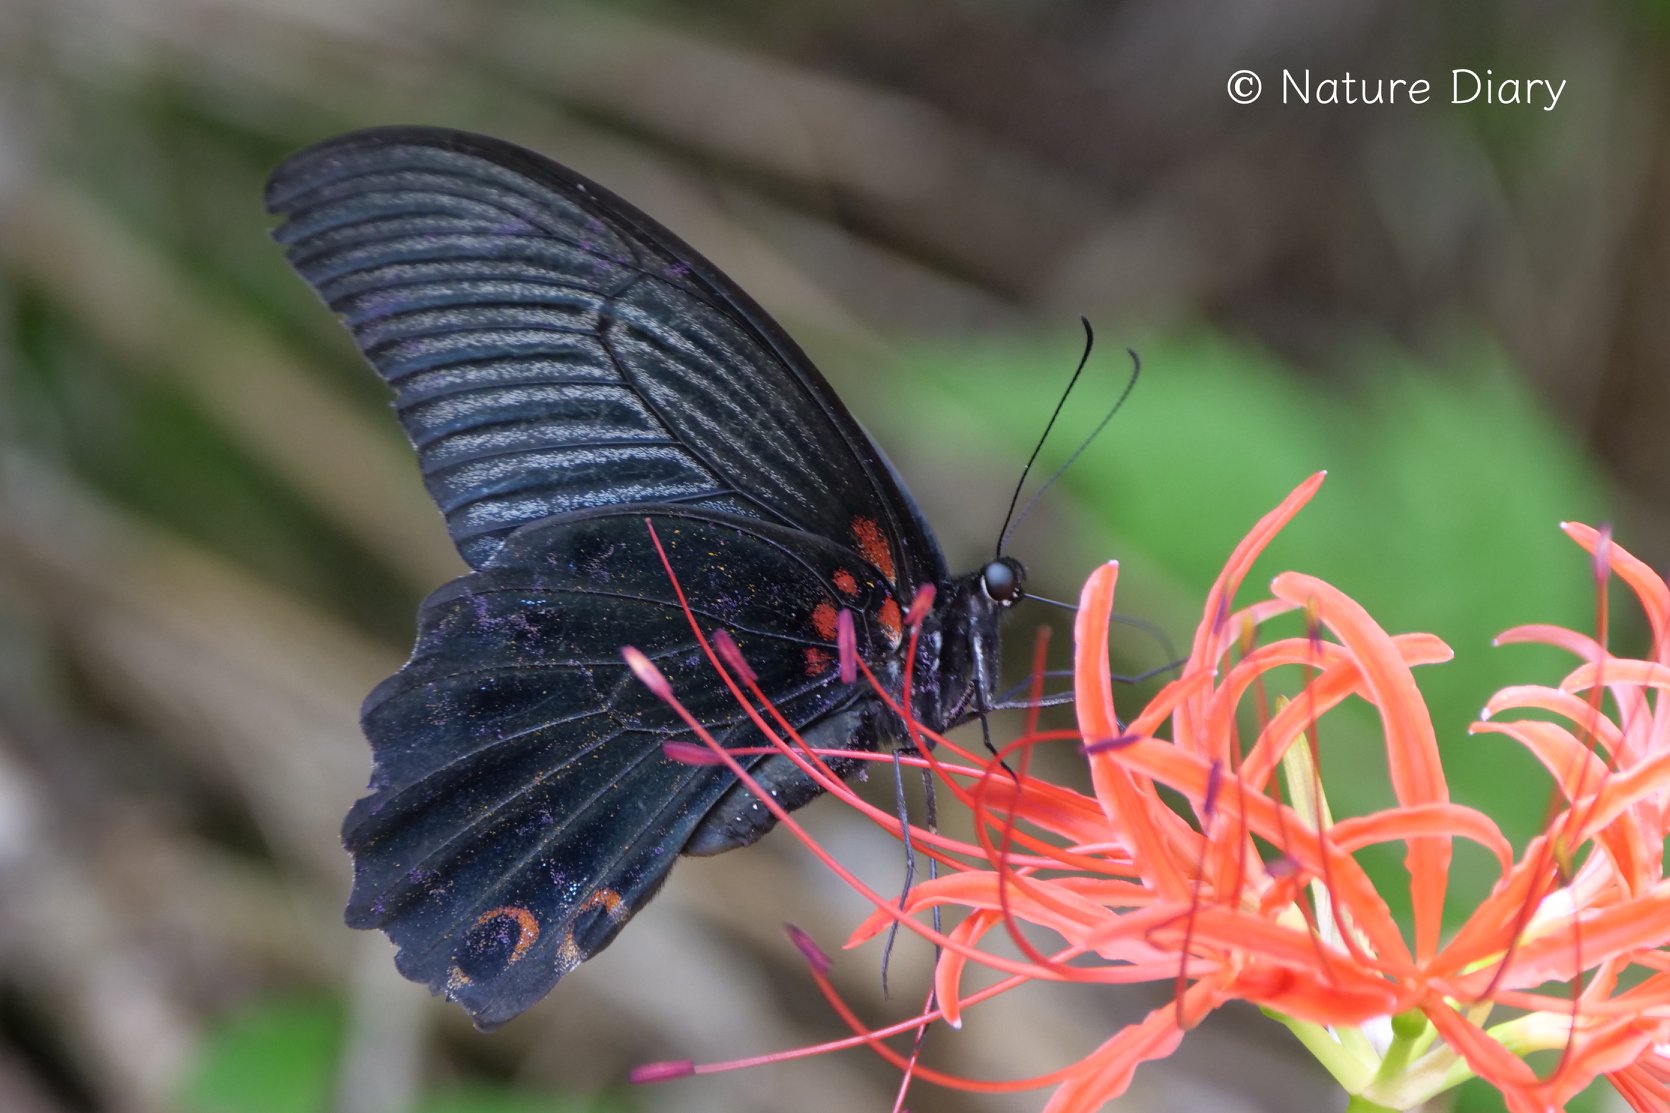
[566,369]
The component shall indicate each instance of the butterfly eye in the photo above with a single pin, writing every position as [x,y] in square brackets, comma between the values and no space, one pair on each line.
[1002,580]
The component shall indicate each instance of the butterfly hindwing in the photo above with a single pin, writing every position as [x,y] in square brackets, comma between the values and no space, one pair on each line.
[522,806]
[552,349]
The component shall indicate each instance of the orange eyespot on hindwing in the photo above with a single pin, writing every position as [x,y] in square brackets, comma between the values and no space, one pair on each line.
[499,939]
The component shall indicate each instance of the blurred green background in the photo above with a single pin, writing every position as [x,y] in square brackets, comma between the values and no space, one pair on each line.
[212,539]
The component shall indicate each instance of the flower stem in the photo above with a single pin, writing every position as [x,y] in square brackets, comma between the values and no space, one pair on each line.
[1360,1104]
[1407,1031]
[1350,1071]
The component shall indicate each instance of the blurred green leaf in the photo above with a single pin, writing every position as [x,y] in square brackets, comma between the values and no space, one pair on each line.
[277,1057]
[483,1100]
[281,1056]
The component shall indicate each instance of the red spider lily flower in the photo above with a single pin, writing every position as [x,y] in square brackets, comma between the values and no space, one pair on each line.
[1254,892]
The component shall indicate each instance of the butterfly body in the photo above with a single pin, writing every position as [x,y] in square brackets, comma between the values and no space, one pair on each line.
[572,375]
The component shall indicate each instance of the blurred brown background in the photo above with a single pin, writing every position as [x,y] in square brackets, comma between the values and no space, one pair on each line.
[212,538]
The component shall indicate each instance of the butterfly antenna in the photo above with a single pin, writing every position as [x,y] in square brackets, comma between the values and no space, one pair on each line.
[1130,384]
[1009,518]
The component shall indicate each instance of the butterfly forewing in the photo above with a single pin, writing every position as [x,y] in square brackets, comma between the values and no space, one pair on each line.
[552,349]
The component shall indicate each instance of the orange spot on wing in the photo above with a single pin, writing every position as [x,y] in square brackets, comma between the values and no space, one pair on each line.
[527,928]
[872,545]
[568,952]
[845,581]
[823,620]
[609,900]
[818,661]
[891,620]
